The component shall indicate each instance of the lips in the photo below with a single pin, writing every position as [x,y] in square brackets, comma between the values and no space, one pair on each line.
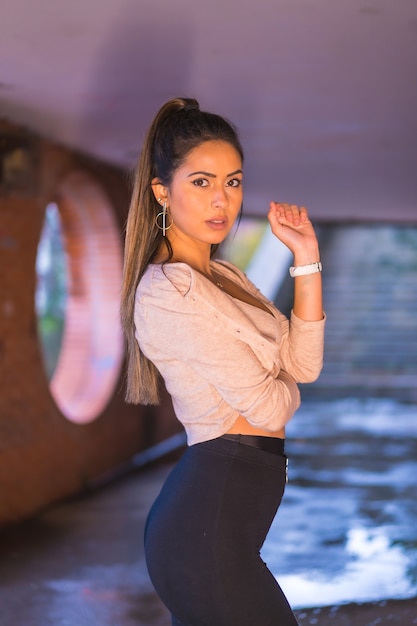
[217,223]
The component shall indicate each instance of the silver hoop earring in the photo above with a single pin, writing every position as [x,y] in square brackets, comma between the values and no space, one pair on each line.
[161,219]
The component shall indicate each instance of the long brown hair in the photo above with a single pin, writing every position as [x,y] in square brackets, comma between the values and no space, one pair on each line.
[179,127]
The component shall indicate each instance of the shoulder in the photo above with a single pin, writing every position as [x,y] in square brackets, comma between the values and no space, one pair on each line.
[163,298]
[176,287]
[158,279]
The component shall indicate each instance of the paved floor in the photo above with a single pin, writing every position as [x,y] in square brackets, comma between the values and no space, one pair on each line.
[81,563]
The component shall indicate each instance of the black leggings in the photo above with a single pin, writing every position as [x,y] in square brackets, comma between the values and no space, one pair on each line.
[204,533]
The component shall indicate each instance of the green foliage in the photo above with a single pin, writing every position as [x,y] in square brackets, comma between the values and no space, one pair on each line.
[51,291]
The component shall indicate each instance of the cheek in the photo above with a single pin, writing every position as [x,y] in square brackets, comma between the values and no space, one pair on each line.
[183,198]
[184,209]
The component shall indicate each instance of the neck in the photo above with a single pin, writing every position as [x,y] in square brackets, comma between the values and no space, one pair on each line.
[197,258]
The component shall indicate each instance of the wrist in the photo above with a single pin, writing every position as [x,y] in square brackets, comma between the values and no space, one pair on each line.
[306,257]
[305,270]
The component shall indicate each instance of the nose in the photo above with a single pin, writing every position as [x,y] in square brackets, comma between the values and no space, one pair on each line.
[219,196]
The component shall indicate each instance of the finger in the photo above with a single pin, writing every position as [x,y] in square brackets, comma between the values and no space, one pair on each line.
[303,214]
[282,208]
[292,213]
[288,212]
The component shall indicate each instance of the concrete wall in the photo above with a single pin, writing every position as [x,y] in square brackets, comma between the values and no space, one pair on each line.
[44,456]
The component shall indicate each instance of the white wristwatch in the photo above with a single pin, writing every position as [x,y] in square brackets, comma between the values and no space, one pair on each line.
[304,270]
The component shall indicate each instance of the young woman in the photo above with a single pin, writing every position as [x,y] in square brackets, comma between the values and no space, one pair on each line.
[230,360]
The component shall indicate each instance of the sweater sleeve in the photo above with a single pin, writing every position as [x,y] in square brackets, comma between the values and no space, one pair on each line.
[177,334]
[301,350]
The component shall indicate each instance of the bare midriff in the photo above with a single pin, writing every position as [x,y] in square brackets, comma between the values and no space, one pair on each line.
[242,427]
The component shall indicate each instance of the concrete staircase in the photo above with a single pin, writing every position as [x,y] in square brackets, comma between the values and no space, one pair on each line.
[370,294]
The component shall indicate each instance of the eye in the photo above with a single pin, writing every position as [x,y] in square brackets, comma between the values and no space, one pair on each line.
[234,182]
[200,182]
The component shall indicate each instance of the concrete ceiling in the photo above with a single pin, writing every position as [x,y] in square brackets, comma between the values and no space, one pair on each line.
[324,92]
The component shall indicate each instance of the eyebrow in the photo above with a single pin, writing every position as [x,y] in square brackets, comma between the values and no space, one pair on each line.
[214,175]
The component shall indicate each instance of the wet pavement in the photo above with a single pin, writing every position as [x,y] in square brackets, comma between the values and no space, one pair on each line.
[344,542]
[347,528]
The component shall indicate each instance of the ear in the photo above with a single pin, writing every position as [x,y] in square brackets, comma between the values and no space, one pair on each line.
[159,190]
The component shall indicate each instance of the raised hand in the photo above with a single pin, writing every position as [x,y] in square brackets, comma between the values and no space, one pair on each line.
[292,226]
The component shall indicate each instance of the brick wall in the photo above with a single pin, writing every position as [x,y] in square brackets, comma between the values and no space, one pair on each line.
[44,456]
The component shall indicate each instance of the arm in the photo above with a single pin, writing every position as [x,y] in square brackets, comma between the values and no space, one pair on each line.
[301,349]
[292,226]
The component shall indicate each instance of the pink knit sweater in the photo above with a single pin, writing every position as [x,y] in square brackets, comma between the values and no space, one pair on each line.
[221,357]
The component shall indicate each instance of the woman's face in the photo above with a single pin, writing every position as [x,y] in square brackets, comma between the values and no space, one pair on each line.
[205,195]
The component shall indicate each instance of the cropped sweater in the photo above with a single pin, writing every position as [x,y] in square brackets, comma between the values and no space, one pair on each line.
[221,357]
